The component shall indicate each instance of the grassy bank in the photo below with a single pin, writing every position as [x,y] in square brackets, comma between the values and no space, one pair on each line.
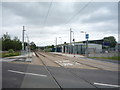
[7,54]
[112,58]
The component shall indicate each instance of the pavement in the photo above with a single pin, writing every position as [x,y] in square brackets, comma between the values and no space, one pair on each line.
[98,64]
[83,57]
[35,74]
[21,58]
[66,54]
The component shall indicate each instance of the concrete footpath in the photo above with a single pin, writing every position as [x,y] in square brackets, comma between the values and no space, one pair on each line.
[83,57]
[69,55]
[23,58]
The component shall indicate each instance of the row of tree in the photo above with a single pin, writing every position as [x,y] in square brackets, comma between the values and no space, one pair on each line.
[15,44]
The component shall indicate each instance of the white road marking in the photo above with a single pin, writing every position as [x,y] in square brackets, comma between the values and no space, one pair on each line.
[7,60]
[28,73]
[107,85]
[67,63]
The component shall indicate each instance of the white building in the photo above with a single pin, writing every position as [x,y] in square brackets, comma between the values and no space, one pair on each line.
[80,48]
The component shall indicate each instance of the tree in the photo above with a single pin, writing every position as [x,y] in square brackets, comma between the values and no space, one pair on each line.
[32,46]
[17,44]
[52,46]
[110,41]
[6,37]
[8,43]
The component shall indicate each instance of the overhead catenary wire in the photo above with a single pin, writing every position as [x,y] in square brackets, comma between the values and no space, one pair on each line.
[48,12]
[45,20]
[72,17]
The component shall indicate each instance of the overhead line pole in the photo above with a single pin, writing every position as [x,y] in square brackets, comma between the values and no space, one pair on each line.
[28,46]
[23,46]
[70,42]
[70,39]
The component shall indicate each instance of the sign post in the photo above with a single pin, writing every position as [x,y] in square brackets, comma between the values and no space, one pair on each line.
[87,37]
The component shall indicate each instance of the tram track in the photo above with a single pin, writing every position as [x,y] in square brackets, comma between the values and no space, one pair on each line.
[74,74]
[73,61]
[49,71]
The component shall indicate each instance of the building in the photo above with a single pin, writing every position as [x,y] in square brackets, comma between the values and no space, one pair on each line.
[79,48]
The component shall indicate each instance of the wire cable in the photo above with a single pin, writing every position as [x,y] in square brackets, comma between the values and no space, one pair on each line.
[78,12]
[47,13]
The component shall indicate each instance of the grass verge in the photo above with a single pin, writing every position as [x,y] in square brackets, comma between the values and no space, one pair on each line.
[9,54]
[112,58]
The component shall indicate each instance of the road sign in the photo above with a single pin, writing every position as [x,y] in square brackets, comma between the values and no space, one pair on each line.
[87,36]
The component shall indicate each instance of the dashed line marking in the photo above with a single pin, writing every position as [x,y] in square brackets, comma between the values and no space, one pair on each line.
[110,85]
[27,73]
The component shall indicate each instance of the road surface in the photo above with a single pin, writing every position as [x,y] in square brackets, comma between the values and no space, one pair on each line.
[49,70]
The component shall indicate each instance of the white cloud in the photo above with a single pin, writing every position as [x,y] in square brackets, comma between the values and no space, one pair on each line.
[97,19]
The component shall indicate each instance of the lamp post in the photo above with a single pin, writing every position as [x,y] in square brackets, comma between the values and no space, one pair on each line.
[70,40]
[61,44]
[61,40]
[86,37]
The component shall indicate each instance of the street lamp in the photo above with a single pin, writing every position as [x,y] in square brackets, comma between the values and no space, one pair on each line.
[61,40]
[83,32]
[86,37]
[61,44]
[70,40]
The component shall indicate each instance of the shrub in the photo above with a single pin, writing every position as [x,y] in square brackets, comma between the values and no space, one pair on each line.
[10,54]
[11,51]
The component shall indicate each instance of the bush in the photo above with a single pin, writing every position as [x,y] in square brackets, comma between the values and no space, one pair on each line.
[11,51]
[47,50]
[10,54]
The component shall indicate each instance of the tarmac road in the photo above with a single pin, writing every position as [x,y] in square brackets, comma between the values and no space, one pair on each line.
[28,75]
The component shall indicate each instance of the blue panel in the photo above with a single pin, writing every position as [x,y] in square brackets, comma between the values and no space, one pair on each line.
[87,36]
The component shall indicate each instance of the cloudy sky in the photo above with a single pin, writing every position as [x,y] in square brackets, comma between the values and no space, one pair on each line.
[44,21]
